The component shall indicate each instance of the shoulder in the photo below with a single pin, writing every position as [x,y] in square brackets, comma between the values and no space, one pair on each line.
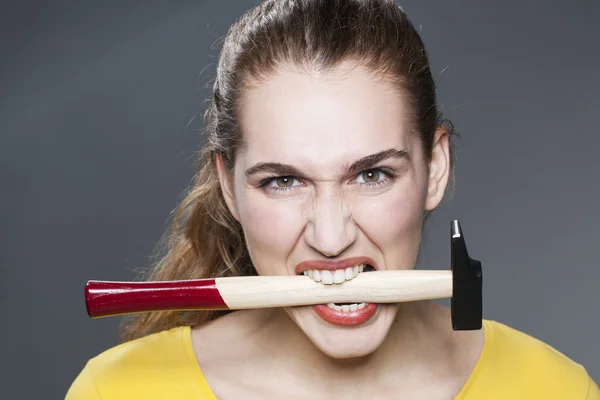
[508,347]
[149,354]
[513,360]
[142,368]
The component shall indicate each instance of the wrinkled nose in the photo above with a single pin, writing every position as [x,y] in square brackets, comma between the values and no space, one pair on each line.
[330,229]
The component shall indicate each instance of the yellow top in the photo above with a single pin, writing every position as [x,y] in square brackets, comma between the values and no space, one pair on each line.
[512,365]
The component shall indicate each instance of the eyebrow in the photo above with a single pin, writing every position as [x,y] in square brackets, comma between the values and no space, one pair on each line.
[357,166]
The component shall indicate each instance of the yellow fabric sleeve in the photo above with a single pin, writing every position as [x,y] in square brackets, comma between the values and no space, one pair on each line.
[158,366]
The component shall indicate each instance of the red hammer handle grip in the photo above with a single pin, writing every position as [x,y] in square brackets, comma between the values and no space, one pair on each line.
[105,299]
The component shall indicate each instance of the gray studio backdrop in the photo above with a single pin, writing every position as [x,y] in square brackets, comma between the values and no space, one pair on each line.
[98,138]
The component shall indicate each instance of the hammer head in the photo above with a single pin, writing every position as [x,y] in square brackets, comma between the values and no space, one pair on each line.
[466,303]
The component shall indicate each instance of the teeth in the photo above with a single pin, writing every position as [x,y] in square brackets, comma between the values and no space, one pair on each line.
[349,273]
[337,276]
[317,275]
[326,277]
[347,307]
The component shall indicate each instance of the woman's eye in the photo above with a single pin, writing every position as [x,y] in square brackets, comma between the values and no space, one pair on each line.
[278,184]
[371,176]
[284,181]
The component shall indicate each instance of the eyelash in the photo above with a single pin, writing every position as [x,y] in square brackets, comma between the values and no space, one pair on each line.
[388,177]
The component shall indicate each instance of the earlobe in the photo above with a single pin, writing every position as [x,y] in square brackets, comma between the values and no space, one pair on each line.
[439,169]
[226,182]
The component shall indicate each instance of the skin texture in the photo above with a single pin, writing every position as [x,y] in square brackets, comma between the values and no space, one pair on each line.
[329,122]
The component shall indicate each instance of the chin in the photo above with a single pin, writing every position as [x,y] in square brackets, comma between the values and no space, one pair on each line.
[341,336]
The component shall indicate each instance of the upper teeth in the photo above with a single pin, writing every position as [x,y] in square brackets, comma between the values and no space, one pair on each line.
[336,276]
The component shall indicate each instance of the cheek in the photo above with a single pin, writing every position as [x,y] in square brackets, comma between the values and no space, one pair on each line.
[393,222]
[271,229]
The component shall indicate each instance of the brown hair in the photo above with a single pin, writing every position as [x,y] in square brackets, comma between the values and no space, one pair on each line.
[206,241]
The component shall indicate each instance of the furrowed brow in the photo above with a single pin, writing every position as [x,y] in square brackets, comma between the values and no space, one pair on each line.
[357,166]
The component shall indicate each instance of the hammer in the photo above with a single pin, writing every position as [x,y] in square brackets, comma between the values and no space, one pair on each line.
[463,283]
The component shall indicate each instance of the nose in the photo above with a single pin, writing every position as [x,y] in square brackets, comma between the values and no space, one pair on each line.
[330,228]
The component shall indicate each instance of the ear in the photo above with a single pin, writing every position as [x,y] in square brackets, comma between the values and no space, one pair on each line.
[227,188]
[439,169]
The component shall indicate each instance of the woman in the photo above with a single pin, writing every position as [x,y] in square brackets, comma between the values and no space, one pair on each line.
[325,152]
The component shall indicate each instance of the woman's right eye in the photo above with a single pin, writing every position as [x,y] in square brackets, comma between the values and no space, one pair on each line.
[278,183]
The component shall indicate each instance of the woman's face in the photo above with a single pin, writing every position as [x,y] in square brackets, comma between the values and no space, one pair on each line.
[331,179]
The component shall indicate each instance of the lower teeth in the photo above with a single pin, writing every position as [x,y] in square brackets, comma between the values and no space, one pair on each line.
[347,307]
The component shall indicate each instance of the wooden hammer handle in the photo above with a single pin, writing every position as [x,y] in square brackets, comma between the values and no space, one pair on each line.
[371,287]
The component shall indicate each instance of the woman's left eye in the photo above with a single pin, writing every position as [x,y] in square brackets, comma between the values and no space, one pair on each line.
[371,176]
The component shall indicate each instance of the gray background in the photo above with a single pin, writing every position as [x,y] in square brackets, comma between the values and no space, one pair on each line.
[97,146]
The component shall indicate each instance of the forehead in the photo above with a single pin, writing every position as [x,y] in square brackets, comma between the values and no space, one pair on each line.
[307,119]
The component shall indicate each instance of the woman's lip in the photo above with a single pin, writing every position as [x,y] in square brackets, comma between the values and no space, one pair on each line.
[334,264]
[346,318]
